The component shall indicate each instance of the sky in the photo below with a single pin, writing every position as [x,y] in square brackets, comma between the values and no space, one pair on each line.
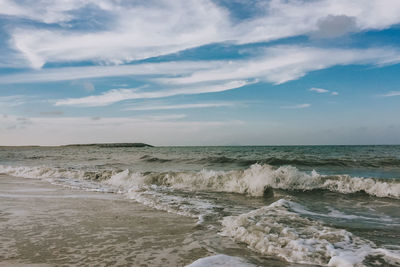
[200,72]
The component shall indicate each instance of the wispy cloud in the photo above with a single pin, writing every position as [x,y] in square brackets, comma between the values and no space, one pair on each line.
[391,93]
[42,11]
[13,100]
[182,106]
[283,63]
[76,73]
[322,91]
[299,106]
[276,64]
[318,90]
[158,32]
[117,95]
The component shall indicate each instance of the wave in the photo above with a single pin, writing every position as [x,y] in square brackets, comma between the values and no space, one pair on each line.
[278,231]
[43,172]
[257,179]
[148,158]
[336,214]
[306,162]
[253,181]
[223,159]
[303,161]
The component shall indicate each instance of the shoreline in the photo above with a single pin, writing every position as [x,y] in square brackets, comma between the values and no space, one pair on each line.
[45,225]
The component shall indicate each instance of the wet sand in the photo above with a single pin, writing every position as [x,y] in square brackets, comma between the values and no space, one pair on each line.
[46,225]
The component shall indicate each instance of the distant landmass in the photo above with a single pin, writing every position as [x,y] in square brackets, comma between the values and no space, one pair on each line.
[114,145]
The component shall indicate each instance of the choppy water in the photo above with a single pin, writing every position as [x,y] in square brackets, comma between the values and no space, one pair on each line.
[322,205]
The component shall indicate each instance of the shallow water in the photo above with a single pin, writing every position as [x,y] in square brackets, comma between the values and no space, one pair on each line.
[323,205]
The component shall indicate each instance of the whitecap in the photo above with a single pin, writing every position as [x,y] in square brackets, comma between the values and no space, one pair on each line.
[278,231]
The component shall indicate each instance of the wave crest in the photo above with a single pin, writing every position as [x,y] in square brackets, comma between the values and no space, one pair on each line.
[43,172]
[258,178]
[253,181]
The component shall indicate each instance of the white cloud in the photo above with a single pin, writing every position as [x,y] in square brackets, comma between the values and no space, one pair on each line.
[299,106]
[279,64]
[41,10]
[145,69]
[107,98]
[323,91]
[181,106]
[141,29]
[319,90]
[276,64]
[117,95]
[391,93]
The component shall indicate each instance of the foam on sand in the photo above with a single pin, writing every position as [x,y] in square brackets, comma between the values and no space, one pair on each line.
[220,260]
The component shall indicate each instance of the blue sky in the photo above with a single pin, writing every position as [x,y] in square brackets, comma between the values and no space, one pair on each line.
[201,72]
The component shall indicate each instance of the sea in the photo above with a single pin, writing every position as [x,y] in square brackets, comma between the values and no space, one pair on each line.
[300,205]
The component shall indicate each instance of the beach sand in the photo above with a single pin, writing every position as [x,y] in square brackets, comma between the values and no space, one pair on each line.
[46,225]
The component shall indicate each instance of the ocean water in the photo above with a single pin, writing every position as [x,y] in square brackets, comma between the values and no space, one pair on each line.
[311,205]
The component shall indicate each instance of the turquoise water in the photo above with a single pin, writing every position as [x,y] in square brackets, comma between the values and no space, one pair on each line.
[319,205]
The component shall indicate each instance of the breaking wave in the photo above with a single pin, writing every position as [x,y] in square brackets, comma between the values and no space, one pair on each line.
[43,172]
[278,231]
[257,179]
[253,181]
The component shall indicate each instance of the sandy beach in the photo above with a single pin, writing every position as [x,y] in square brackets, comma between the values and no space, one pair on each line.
[46,225]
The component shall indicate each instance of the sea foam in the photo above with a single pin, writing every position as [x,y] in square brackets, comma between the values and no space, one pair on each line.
[220,260]
[278,231]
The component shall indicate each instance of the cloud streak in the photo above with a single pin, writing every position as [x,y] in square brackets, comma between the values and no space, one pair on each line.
[75,73]
[118,95]
[299,106]
[276,64]
[182,106]
[283,63]
[13,100]
[318,90]
[391,94]
[322,91]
